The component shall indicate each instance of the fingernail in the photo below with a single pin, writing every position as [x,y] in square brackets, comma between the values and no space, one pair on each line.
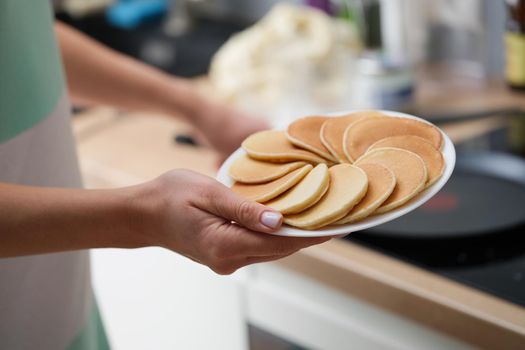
[271,219]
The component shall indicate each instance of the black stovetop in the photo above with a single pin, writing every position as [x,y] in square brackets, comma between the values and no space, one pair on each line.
[473,230]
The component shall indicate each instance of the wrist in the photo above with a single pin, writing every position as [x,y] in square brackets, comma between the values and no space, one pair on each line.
[137,207]
[181,98]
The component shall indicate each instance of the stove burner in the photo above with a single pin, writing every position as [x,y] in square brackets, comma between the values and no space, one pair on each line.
[473,231]
[441,202]
[475,201]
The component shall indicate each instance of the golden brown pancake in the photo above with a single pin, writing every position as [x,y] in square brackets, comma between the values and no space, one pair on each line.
[431,156]
[273,146]
[305,194]
[333,129]
[265,192]
[410,171]
[363,133]
[348,185]
[381,183]
[247,170]
[306,133]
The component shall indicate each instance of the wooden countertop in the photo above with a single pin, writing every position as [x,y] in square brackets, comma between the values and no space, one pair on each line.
[117,150]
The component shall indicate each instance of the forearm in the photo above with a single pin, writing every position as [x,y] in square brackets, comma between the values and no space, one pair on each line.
[37,220]
[97,74]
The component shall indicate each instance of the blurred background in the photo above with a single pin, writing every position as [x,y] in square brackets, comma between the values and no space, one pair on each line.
[449,275]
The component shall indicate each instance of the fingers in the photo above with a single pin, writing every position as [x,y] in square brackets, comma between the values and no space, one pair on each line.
[240,242]
[231,246]
[260,259]
[232,266]
[277,245]
[254,216]
[229,266]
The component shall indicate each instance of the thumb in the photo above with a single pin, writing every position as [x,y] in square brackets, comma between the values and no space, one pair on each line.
[249,214]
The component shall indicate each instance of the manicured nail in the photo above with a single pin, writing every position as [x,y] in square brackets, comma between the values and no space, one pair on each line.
[271,219]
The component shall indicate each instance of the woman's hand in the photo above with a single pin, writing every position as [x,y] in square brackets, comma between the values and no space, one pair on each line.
[192,214]
[225,128]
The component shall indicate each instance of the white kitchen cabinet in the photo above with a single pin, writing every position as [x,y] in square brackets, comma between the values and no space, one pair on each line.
[152,298]
[313,316]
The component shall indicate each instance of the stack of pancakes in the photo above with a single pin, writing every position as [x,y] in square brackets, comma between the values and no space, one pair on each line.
[338,170]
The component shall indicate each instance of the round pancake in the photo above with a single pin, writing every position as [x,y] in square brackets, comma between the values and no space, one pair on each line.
[273,146]
[431,156]
[409,169]
[381,183]
[333,129]
[264,192]
[363,133]
[348,185]
[305,194]
[247,170]
[306,133]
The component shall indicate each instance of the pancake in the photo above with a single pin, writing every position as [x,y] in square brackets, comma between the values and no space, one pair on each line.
[333,129]
[306,133]
[409,169]
[247,170]
[381,183]
[363,133]
[431,156]
[264,192]
[348,185]
[305,194]
[273,146]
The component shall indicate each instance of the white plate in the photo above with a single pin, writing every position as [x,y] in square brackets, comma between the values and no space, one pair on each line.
[449,153]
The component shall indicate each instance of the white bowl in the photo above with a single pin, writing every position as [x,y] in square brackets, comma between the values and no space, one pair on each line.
[449,154]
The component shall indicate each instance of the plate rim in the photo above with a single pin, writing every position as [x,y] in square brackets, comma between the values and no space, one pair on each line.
[449,154]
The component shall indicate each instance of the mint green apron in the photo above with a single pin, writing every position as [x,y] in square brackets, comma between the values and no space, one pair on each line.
[46,301]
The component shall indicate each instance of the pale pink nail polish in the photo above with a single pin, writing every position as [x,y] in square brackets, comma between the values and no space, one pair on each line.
[271,219]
